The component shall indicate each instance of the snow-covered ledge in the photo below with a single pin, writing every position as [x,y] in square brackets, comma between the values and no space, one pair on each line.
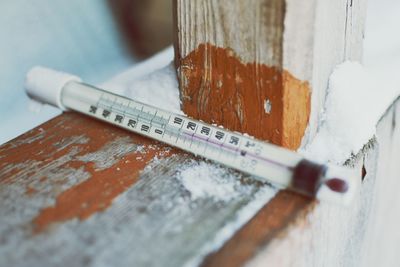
[366,234]
[355,102]
[358,127]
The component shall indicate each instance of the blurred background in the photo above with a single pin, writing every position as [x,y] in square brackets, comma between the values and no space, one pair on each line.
[94,39]
[97,39]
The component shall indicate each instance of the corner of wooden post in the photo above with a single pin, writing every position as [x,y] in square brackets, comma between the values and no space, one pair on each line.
[229,58]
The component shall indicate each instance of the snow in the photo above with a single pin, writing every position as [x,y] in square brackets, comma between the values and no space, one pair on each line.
[355,102]
[358,96]
[204,179]
[159,88]
[119,83]
[152,82]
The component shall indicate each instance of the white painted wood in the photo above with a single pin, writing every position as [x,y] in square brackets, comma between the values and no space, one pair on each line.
[252,29]
[338,36]
[365,234]
[382,243]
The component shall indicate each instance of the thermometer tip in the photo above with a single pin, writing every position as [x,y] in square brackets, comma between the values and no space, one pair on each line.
[337,185]
[340,184]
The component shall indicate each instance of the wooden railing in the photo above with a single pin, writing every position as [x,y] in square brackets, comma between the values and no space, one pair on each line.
[77,192]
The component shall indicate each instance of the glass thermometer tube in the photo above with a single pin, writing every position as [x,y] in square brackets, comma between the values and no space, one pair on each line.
[266,162]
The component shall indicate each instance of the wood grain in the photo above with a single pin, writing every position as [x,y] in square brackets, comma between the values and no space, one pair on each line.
[280,213]
[91,194]
[286,48]
[251,98]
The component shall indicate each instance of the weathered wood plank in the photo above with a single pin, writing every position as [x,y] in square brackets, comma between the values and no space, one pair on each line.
[91,194]
[271,222]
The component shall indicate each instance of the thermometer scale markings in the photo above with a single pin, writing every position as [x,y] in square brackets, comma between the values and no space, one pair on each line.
[109,106]
[247,153]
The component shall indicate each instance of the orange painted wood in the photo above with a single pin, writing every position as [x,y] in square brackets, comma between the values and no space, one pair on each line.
[263,101]
[230,65]
[268,224]
[262,67]
[74,144]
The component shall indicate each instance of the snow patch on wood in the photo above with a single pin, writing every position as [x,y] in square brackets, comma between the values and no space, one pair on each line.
[204,179]
[355,102]
[111,153]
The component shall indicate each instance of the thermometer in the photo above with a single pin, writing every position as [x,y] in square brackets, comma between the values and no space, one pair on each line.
[264,161]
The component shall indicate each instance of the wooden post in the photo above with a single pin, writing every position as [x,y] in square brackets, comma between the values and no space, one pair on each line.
[262,66]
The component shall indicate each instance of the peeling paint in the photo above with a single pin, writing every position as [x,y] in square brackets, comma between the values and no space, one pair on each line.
[267,106]
[111,153]
[68,166]
[96,193]
[219,88]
